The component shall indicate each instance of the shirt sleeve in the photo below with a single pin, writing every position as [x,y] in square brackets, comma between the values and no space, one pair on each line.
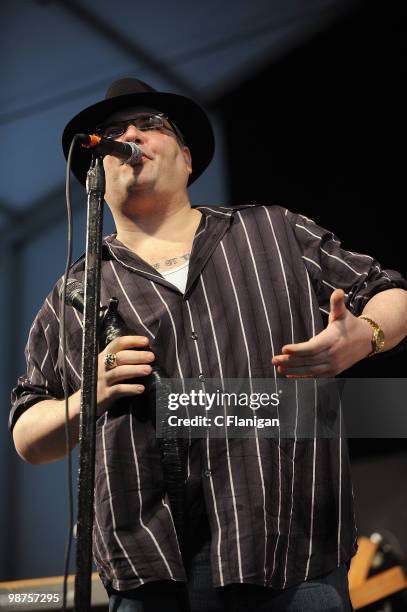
[42,380]
[331,267]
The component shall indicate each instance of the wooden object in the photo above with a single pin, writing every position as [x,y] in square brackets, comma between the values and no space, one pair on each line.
[365,590]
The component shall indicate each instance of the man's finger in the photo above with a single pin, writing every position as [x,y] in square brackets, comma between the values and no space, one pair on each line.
[126,342]
[337,305]
[125,372]
[131,357]
[311,347]
[299,360]
[312,371]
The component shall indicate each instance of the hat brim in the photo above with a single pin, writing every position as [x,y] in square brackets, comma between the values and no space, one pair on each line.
[188,116]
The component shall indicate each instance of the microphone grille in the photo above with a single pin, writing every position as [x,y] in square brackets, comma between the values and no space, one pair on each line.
[74,288]
[135,157]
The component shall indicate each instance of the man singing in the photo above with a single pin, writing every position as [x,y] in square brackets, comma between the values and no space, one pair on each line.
[210,292]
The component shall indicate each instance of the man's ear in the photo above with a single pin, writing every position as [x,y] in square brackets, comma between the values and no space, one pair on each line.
[188,158]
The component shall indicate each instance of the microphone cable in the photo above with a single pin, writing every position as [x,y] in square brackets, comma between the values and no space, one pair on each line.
[68,541]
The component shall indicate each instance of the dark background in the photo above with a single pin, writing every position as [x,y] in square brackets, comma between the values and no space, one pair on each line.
[322,132]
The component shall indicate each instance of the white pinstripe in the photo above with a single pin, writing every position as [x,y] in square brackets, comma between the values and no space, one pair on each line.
[60,342]
[207,436]
[78,317]
[296,413]
[174,329]
[97,547]
[52,309]
[166,506]
[227,208]
[107,567]
[128,266]
[144,526]
[312,261]
[309,231]
[200,369]
[203,384]
[69,362]
[307,219]
[344,263]
[255,430]
[44,360]
[212,327]
[292,483]
[335,256]
[222,582]
[239,556]
[29,358]
[361,255]
[210,211]
[130,302]
[315,443]
[111,504]
[203,229]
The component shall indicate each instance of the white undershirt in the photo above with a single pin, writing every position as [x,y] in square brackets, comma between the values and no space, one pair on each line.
[177,276]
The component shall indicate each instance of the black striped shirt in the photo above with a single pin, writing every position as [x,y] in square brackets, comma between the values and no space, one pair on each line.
[280,510]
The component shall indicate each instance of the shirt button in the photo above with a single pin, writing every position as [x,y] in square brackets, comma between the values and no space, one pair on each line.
[201,377]
[207,473]
[194,336]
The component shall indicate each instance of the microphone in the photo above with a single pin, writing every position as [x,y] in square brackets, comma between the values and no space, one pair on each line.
[74,294]
[129,152]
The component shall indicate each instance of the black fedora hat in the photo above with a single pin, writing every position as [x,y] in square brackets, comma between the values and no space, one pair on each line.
[187,115]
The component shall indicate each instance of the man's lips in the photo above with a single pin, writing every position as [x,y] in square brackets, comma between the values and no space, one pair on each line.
[144,156]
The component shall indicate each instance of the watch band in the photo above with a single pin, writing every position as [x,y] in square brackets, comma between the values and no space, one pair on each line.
[377,336]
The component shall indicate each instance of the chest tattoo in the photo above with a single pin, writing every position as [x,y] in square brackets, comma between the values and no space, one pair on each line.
[170,262]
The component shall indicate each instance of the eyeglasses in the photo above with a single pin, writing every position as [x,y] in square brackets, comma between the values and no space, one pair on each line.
[143,122]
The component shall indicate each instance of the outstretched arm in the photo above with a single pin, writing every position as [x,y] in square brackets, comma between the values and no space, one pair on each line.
[346,339]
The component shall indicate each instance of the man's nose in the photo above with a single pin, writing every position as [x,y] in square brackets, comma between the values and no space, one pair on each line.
[133,134]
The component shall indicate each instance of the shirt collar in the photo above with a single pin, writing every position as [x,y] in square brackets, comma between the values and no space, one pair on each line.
[114,249]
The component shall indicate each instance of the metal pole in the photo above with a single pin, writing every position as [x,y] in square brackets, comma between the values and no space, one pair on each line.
[87,433]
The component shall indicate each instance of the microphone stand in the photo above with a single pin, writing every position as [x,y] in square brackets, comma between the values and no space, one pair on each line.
[95,187]
[172,450]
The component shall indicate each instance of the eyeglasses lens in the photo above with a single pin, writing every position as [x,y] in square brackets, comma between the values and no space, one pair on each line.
[141,122]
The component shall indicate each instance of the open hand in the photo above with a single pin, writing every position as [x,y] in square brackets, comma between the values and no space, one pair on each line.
[345,340]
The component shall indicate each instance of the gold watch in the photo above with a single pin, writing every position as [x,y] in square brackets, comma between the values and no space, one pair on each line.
[377,336]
